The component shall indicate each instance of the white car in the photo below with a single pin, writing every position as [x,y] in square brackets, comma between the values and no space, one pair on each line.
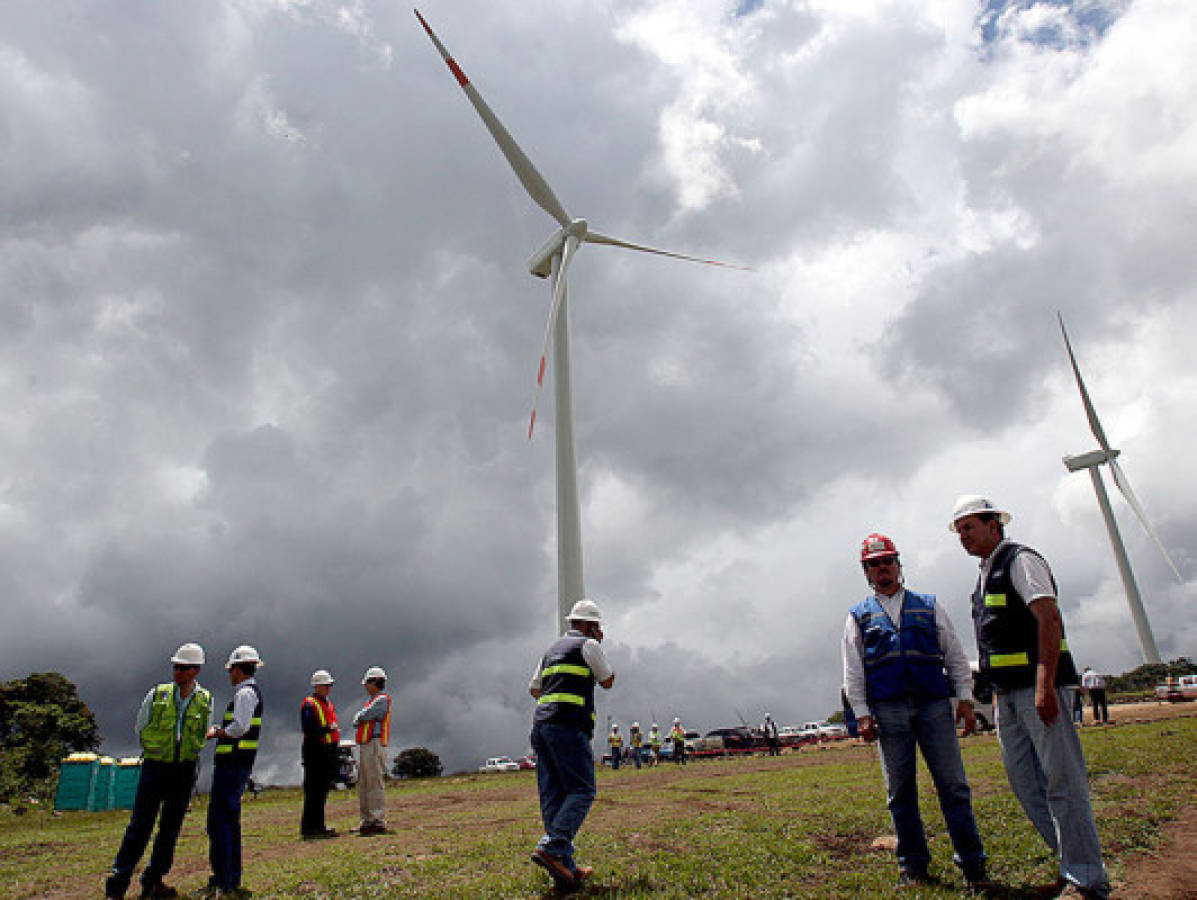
[833,731]
[499,764]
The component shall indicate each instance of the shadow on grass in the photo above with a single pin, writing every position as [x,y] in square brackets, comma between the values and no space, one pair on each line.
[639,884]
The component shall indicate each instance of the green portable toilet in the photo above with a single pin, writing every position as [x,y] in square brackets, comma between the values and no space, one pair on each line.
[124,782]
[75,778]
[100,797]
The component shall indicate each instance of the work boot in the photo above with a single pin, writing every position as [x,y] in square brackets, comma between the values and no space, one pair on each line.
[158,889]
[912,878]
[555,867]
[1050,890]
[581,873]
[978,880]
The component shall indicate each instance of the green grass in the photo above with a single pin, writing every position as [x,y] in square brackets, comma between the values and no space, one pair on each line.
[801,825]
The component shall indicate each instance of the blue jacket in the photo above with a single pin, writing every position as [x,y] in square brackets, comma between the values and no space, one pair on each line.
[905,661]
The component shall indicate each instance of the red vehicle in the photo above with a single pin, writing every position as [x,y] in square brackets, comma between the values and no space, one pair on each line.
[527,762]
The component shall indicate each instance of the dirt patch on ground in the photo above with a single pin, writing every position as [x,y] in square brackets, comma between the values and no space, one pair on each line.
[1169,873]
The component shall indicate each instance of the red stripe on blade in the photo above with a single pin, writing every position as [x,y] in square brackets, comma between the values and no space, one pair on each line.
[456,69]
[540,374]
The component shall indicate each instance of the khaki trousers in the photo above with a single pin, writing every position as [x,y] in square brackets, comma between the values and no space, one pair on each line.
[371,784]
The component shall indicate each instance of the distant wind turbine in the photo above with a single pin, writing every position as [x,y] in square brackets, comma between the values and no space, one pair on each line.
[552,261]
[1109,456]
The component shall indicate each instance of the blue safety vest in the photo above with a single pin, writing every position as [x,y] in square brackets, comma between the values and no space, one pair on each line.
[905,661]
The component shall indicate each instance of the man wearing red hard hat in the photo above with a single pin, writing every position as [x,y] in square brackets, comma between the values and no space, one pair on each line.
[902,663]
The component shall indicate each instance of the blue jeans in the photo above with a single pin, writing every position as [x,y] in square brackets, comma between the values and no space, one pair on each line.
[164,786]
[902,726]
[224,825]
[565,778]
[1046,768]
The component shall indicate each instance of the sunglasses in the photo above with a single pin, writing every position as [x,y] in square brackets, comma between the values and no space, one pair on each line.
[179,668]
[881,561]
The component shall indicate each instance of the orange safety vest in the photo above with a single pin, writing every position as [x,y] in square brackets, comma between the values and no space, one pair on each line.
[326,714]
[376,728]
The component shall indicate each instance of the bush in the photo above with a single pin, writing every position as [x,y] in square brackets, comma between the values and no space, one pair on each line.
[417,762]
[42,719]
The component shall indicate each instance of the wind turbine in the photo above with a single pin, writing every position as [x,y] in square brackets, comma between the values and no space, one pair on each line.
[552,261]
[1109,456]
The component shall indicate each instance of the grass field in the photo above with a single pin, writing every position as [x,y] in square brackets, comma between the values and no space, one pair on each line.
[801,825]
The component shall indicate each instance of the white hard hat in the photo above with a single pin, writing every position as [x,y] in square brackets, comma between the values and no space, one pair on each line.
[635,724]
[244,654]
[677,721]
[585,611]
[615,727]
[767,716]
[654,724]
[975,504]
[189,655]
[373,672]
[322,676]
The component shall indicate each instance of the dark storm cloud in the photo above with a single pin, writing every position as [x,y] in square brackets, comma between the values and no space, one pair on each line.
[268,342]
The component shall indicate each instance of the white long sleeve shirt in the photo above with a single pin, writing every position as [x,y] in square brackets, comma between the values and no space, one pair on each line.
[245,699]
[960,675]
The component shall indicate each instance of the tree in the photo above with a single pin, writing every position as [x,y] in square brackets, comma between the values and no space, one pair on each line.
[417,762]
[1148,675]
[42,719]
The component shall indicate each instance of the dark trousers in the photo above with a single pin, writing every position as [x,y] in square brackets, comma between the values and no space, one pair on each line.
[166,787]
[774,745]
[224,825]
[679,752]
[318,770]
[1101,712]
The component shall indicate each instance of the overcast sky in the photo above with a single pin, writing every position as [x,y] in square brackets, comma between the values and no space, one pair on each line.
[268,339]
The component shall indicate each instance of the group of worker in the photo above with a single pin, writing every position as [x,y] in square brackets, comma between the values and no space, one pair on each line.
[636,744]
[174,724]
[902,665]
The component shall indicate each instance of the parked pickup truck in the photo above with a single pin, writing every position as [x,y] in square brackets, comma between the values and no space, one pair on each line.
[499,764]
[1177,690]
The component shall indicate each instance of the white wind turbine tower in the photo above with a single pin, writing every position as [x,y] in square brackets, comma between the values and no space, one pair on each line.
[1109,456]
[552,261]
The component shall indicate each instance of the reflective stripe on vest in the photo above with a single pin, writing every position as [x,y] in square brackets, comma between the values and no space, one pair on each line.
[326,715]
[1004,660]
[376,728]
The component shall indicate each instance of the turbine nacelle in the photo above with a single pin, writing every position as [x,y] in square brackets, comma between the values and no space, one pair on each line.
[540,263]
[1090,459]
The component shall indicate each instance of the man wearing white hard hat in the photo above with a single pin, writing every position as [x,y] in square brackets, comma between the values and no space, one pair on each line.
[562,729]
[902,663]
[171,725]
[236,749]
[373,724]
[321,745]
[1024,654]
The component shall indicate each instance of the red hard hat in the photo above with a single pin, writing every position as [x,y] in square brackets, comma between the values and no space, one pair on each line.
[877,545]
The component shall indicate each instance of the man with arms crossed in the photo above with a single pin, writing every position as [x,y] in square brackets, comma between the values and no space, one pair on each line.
[1020,639]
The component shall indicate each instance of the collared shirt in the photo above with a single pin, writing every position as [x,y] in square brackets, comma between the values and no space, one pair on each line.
[1031,575]
[1092,680]
[960,675]
[244,701]
[181,704]
[592,652]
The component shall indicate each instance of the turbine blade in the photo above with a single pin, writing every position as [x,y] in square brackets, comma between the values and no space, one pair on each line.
[538,189]
[1090,412]
[567,255]
[593,237]
[1132,501]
